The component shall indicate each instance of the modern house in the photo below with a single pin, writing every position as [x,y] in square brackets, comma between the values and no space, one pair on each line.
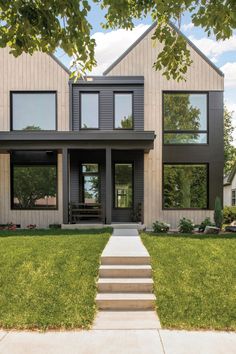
[230,188]
[126,146]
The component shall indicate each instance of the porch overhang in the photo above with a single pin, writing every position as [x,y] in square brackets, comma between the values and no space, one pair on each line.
[143,140]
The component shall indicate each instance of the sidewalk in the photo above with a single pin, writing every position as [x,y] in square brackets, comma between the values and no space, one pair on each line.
[118,342]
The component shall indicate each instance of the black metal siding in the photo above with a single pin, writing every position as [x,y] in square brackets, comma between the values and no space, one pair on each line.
[106,104]
[211,154]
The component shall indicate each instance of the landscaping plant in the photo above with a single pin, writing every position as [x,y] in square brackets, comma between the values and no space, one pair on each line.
[218,214]
[204,223]
[229,214]
[160,227]
[186,226]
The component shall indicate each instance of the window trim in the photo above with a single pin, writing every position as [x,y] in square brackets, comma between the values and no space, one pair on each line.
[33,92]
[233,191]
[187,164]
[114,109]
[80,110]
[114,185]
[12,164]
[185,131]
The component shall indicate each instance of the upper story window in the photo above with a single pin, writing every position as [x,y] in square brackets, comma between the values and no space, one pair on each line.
[89,111]
[185,118]
[124,110]
[33,111]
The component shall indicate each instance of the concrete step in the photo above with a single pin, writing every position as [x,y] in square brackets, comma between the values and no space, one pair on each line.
[125,260]
[125,285]
[125,301]
[125,271]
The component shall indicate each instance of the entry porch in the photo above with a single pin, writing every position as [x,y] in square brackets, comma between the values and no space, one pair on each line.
[103,186]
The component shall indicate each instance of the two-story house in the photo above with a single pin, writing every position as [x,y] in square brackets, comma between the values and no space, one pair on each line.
[126,146]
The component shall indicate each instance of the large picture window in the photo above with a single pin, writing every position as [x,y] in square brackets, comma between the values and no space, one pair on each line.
[89,110]
[123,185]
[185,118]
[185,186]
[34,186]
[124,110]
[33,111]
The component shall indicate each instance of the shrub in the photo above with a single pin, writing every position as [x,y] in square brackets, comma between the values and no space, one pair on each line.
[204,223]
[218,215]
[159,227]
[186,226]
[229,214]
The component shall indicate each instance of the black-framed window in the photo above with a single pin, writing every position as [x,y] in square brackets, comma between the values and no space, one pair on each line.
[90,183]
[89,110]
[36,110]
[123,110]
[185,118]
[123,185]
[233,197]
[185,186]
[34,186]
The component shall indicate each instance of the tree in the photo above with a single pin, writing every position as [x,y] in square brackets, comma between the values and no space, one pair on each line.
[29,26]
[33,183]
[127,122]
[218,214]
[229,149]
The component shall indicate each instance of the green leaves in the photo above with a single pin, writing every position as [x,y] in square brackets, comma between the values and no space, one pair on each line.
[29,26]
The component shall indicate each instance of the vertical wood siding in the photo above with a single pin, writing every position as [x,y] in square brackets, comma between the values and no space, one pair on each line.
[37,72]
[42,218]
[27,73]
[200,76]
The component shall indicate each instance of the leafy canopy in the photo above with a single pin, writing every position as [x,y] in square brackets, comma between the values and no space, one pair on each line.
[29,26]
[229,148]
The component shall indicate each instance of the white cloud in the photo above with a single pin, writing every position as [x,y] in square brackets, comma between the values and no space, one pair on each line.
[229,69]
[187,26]
[110,45]
[214,49]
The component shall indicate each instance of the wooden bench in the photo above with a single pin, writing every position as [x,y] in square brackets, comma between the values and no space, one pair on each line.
[83,211]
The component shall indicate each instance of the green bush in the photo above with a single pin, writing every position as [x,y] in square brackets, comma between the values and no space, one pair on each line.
[204,223]
[218,214]
[160,227]
[186,226]
[229,214]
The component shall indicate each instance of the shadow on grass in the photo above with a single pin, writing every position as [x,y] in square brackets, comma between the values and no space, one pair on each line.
[54,232]
[193,236]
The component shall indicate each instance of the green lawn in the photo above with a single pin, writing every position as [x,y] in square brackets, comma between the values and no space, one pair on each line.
[48,278]
[195,280]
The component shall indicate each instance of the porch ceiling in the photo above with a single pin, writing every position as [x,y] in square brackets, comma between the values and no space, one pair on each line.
[74,139]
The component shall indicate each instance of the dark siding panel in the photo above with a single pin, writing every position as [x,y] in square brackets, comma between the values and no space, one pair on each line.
[106,104]
[213,154]
[74,180]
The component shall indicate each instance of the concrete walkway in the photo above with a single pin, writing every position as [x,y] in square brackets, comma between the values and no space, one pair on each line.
[118,342]
[120,332]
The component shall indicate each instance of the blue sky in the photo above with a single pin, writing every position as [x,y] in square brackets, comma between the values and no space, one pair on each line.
[111,44]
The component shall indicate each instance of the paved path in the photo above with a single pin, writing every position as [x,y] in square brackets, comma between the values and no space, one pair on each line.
[118,342]
[120,332]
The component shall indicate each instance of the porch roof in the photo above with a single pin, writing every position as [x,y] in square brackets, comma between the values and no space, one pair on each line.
[141,140]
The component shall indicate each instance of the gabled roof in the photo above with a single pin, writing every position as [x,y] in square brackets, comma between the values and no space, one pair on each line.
[229,178]
[146,33]
[60,63]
